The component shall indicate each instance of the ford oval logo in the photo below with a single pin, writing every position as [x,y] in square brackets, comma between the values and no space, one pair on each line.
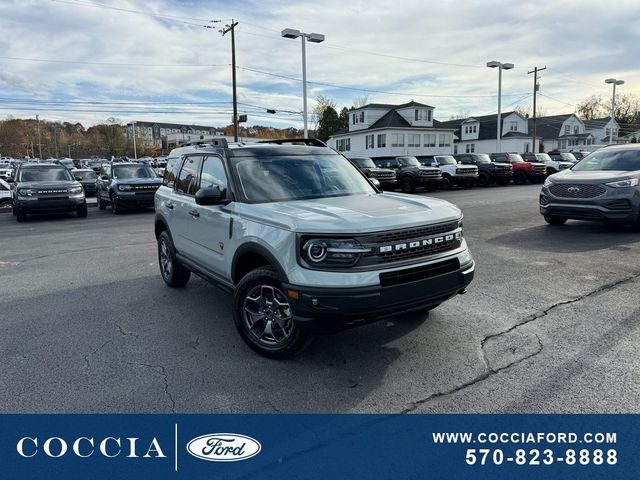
[224,447]
[573,189]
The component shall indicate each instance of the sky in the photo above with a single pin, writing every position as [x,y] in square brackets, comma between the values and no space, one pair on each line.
[166,60]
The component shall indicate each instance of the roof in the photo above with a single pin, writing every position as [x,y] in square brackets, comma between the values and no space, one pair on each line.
[596,123]
[488,126]
[391,119]
[550,126]
[394,107]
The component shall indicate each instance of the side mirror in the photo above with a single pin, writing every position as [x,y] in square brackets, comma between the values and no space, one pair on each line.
[78,178]
[209,196]
[104,177]
[10,180]
[375,182]
[435,164]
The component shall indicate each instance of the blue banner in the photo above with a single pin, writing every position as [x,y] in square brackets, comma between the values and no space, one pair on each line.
[320,446]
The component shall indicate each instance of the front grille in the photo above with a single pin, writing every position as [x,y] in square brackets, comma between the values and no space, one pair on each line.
[409,275]
[577,190]
[145,188]
[383,174]
[461,171]
[400,255]
[409,244]
[399,235]
[429,174]
[53,191]
[539,168]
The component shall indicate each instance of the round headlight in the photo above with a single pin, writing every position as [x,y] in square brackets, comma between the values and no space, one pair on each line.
[316,250]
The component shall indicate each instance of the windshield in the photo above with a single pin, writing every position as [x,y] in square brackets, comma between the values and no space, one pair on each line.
[275,179]
[626,160]
[515,158]
[364,162]
[481,158]
[568,156]
[133,171]
[408,161]
[85,174]
[55,174]
[543,157]
[446,160]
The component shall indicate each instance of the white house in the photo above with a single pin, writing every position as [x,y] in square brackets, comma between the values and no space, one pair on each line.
[380,130]
[478,134]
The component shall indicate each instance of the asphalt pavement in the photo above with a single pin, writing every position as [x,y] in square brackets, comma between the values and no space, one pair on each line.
[551,323]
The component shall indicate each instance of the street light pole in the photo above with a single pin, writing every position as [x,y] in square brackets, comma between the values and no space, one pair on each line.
[135,148]
[39,139]
[613,103]
[500,66]
[313,38]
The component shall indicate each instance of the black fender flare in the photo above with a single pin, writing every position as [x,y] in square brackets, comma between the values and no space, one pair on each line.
[263,252]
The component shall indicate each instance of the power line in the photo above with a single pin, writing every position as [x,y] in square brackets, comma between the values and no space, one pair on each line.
[83,62]
[333,85]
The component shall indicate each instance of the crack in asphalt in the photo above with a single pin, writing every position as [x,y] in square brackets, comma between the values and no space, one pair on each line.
[489,371]
[86,357]
[163,372]
[125,332]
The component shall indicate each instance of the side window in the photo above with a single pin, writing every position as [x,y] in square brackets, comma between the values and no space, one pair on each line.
[187,182]
[213,174]
[170,172]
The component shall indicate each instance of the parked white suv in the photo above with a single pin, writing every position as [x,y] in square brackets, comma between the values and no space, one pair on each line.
[303,240]
[454,173]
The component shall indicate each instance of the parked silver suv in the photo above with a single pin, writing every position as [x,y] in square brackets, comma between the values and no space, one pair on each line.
[303,240]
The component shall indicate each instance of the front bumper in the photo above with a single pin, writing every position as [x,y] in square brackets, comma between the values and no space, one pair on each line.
[465,179]
[46,205]
[621,205]
[333,309]
[132,200]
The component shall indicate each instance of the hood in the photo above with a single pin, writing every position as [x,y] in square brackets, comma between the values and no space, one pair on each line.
[351,214]
[593,176]
[139,181]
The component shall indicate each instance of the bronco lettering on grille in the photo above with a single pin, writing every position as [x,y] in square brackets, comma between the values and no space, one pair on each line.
[425,242]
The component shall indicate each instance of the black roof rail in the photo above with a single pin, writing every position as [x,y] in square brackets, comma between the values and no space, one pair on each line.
[215,142]
[311,142]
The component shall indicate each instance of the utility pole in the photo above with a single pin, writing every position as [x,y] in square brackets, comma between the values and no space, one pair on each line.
[39,139]
[55,139]
[227,29]
[135,148]
[535,94]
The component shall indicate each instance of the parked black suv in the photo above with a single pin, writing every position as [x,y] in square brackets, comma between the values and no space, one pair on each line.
[45,188]
[87,177]
[411,174]
[126,185]
[488,172]
[386,176]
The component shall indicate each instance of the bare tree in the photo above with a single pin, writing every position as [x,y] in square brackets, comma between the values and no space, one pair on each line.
[322,103]
[593,107]
[361,101]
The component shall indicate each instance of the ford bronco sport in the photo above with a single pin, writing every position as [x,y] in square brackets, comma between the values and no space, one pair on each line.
[303,240]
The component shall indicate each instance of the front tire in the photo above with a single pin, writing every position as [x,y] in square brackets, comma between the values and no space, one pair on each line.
[555,220]
[82,211]
[520,178]
[21,215]
[116,209]
[407,185]
[446,183]
[483,180]
[101,203]
[173,274]
[263,316]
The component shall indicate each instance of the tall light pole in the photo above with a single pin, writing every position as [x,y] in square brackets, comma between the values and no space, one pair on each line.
[613,103]
[39,140]
[135,148]
[500,66]
[231,28]
[313,38]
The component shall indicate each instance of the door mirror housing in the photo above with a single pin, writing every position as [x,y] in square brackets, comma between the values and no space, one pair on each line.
[210,196]
[104,177]
[10,180]
[78,178]
[375,182]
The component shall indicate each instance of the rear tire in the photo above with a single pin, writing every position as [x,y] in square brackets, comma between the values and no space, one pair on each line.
[555,220]
[407,185]
[82,211]
[263,317]
[173,274]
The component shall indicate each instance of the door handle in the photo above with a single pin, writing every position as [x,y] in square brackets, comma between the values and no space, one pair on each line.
[194,213]
[169,206]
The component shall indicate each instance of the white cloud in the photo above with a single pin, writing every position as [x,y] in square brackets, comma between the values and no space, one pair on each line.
[581,43]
